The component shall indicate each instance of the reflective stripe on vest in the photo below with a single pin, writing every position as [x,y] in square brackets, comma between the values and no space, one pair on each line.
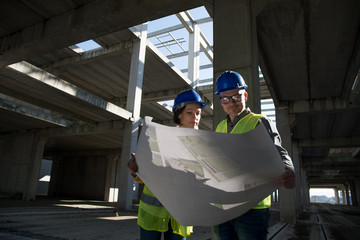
[150,200]
[244,125]
[153,216]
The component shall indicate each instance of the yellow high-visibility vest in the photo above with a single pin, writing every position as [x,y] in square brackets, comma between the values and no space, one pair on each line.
[244,125]
[153,216]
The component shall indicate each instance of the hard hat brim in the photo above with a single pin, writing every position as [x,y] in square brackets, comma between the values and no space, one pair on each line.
[228,89]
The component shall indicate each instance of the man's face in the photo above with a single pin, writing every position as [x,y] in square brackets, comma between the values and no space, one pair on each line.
[233,101]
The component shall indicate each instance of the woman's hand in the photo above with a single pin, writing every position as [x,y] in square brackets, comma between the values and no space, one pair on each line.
[132,165]
[287,179]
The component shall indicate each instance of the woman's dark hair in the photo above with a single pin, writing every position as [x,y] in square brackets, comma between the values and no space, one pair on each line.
[177,113]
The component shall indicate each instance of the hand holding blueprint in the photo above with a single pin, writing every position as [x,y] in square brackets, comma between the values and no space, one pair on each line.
[205,178]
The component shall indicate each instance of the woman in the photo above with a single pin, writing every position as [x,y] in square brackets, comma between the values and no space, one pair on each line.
[153,218]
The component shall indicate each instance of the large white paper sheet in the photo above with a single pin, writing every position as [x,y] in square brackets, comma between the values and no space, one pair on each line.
[205,178]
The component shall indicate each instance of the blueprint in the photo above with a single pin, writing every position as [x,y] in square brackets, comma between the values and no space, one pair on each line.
[205,178]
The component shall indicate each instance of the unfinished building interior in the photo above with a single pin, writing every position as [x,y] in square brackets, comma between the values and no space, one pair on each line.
[82,110]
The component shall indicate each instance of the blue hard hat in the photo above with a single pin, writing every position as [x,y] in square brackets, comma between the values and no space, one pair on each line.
[229,80]
[186,97]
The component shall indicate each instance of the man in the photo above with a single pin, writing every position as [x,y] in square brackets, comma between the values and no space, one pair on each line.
[231,88]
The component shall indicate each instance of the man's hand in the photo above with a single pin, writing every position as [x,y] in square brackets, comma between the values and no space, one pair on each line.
[287,179]
[132,165]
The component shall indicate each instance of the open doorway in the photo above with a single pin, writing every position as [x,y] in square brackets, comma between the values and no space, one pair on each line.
[44,178]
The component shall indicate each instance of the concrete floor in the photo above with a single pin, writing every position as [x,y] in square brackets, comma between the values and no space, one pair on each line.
[78,219]
[321,222]
[71,219]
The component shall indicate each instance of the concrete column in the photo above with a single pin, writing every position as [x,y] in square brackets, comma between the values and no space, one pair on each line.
[354,195]
[114,164]
[111,190]
[287,196]
[35,157]
[235,48]
[336,193]
[298,190]
[342,196]
[20,162]
[347,195]
[305,188]
[194,55]
[276,197]
[131,129]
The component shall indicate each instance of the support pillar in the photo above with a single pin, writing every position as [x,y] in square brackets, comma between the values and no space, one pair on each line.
[35,157]
[111,189]
[287,196]
[20,162]
[298,186]
[354,192]
[133,104]
[342,196]
[276,195]
[336,192]
[194,55]
[305,188]
[347,195]
[235,48]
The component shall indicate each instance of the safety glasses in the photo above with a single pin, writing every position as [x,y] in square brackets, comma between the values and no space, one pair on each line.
[234,98]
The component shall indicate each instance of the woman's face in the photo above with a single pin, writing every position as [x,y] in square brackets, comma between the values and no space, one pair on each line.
[190,117]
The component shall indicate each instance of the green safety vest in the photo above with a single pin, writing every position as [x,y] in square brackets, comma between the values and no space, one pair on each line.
[153,216]
[244,125]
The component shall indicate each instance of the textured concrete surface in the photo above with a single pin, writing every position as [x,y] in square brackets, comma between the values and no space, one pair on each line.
[82,219]
[71,219]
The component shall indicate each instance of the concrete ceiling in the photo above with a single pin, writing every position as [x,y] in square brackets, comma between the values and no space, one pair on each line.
[310,57]
[309,53]
[89,90]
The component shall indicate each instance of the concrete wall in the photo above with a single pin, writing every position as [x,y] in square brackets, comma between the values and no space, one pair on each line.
[84,177]
[81,177]
[20,161]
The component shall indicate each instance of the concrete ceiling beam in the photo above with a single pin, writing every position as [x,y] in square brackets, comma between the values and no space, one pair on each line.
[32,73]
[91,20]
[319,105]
[330,142]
